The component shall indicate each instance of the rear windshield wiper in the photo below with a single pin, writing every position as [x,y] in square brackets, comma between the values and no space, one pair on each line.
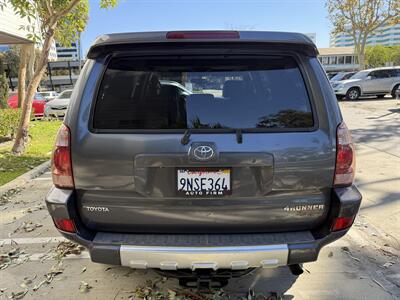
[186,137]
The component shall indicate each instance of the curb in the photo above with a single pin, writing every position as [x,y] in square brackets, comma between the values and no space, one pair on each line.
[24,178]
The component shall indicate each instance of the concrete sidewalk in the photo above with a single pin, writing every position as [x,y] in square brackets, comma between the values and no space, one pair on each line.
[375,127]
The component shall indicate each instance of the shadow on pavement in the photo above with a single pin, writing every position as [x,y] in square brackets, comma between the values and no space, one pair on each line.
[265,282]
[379,133]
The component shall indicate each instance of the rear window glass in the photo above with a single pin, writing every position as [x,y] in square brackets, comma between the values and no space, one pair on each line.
[202,93]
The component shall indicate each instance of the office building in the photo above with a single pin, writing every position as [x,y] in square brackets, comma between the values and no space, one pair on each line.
[13,30]
[67,53]
[338,59]
[385,36]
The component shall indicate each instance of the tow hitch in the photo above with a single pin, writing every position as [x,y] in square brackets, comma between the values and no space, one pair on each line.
[204,279]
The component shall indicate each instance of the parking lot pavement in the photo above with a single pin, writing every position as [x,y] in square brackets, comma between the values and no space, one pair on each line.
[375,127]
[362,265]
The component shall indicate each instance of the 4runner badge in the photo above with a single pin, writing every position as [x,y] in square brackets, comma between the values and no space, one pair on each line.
[305,207]
[97,208]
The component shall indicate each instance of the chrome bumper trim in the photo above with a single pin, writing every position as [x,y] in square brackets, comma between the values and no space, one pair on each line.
[173,258]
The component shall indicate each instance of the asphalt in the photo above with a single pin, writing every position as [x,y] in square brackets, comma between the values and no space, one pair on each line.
[363,265]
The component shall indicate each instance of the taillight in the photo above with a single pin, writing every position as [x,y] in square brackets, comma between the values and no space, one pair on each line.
[342,223]
[179,35]
[65,225]
[61,166]
[345,157]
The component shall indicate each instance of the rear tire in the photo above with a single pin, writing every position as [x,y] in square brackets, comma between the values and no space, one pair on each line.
[353,94]
[394,90]
[339,97]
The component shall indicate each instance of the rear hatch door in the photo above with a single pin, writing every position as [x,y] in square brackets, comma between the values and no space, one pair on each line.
[212,141]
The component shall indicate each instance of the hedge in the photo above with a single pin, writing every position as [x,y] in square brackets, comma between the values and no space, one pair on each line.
[9,121]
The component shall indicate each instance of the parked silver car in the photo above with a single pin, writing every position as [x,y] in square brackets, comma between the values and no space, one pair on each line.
[372,82]
[58,107]
[341,76]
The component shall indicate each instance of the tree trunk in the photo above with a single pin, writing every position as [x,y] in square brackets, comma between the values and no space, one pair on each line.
[31,63]
[23,55]
[361,60]
[21,140]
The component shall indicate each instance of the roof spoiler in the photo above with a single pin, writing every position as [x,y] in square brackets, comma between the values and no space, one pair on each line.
[135,41]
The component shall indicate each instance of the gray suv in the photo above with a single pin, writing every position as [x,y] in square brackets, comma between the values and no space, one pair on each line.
[241,161]
[373,82]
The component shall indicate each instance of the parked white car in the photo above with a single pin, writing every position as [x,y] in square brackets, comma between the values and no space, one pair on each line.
[58,107]
[49,95]
[372,82]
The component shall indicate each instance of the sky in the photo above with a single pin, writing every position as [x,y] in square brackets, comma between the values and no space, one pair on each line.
[152,15]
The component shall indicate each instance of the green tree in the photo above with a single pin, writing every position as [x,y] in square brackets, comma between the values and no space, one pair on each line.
[10,60]
[60,19]
[360,18]
[3,86]
[395,55]
[3,90]
[377,56]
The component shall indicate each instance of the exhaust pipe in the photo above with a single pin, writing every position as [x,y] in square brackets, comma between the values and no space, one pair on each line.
[296,269]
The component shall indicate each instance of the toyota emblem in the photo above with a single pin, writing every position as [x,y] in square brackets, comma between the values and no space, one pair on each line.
[203,152]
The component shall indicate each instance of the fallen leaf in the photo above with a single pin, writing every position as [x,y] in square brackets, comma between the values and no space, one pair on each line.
[388,264]
[66,248]
[27,227]
[84,287]
[18,295]
[13,257]
[54,271]
[27,281]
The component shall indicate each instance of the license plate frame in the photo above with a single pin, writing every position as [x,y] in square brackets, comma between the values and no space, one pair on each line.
[204,193]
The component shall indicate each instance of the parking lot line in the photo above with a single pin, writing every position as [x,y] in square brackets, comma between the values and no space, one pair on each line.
[42,178]
[36,240]
[47,256]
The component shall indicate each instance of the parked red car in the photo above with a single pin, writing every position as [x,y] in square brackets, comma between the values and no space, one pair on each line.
[37,105]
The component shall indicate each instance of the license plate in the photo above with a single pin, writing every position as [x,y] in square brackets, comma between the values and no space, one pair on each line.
[204,182]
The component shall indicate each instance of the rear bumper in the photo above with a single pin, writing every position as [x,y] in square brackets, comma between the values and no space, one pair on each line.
[57,113]
[199,251]
[174,258]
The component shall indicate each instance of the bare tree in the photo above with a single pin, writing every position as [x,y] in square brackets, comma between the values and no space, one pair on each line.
[360,18]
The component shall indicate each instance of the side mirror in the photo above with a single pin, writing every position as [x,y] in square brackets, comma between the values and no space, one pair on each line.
[368,78]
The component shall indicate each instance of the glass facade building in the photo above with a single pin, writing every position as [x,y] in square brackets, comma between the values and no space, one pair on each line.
[385,36]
